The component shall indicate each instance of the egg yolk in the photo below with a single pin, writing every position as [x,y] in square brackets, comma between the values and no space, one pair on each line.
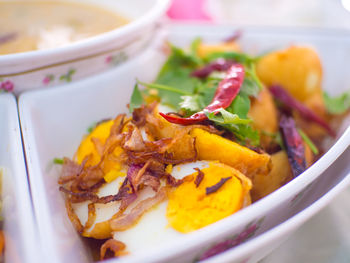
[87,147]
[190,208]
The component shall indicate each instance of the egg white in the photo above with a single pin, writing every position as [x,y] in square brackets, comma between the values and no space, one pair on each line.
[153,228]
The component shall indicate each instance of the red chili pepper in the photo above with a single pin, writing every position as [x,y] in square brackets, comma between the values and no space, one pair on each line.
[282,95]
[225,93]
[218,65]
[294,145]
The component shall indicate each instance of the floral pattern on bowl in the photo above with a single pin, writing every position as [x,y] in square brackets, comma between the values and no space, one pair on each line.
[248,232]
[75,69]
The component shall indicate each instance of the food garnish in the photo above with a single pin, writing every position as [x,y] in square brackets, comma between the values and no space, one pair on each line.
[215,187]
[199,177]
[203,141]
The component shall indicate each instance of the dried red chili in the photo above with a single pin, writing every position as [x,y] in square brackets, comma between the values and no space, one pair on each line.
[282,95]
[294,145]
[226,92]
[218,65]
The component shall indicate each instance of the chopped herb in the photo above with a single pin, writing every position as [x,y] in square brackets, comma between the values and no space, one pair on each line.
[199,177]
[58,161]
[308,141]
[136,99]
[232,122]
[215,187]
[91,127]
[337,105]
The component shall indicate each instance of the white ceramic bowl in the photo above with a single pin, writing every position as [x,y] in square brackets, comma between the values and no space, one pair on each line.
[53,126]
[332,182]
[56,66]
[17,211]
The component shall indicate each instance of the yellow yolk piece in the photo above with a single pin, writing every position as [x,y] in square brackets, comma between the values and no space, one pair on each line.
[189,207]
[216,148]
[87,147]
[112,175]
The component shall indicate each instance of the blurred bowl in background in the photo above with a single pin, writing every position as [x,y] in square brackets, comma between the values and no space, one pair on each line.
[55,66]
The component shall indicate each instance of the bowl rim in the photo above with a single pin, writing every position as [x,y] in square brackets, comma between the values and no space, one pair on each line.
[197,238]
[285,227]
[85,45]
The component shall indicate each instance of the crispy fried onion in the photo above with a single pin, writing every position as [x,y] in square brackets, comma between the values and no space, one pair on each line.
[73,217]
[126,221]
[146,159]
[115,246]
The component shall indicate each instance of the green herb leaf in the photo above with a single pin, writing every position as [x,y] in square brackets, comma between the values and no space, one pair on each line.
[190,103]
[238,57]
[232,122]
[58,161]
[337,105]
[308,141]
[136,99]
[194,50]
[91,127]
[240,105]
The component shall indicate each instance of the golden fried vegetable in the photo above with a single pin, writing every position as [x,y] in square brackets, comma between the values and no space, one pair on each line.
[298,69]
[214,147]
[280,174]
[263,112]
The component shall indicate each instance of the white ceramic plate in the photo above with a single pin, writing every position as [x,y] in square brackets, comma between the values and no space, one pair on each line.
[19,228]
[54,121]
[57,66]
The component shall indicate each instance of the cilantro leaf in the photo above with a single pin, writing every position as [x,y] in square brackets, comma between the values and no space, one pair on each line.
[175,73]
[190,103]
[136,99]
[240,105]
[58,161]
[337,105]
[232,122]
[238,57]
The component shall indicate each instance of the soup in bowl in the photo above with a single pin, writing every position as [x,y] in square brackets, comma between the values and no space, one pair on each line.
[50,43]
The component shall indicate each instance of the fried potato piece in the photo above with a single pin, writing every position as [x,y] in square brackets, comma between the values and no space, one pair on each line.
[281,173]
[263,112]
[298,69]
[214,147]
[205,49]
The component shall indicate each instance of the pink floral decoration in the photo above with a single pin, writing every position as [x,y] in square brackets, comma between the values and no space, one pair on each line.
[109,59]
[7,86]
[188,10]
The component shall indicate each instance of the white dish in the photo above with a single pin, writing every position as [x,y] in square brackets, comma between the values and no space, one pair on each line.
[332,182]
[20,239]
[53,127]
[51,67]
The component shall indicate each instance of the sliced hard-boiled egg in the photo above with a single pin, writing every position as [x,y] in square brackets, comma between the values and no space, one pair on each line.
[186,208]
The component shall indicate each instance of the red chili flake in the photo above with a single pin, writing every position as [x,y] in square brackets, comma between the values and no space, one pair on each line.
[294,145]
[199,177]
[215,187]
